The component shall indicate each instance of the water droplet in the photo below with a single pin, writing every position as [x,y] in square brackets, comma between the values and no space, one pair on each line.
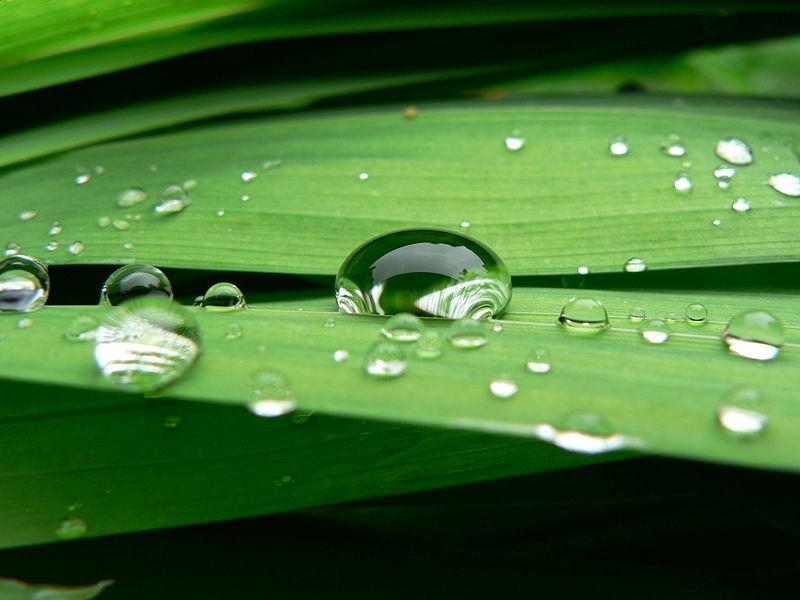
[189,185]
[220,212]
[673,146]
[12,249]
[271,164]
[734,151]
[637,313]
[248,176]
[584,314]
[724,184]
[24,284]
[132,281]
[787,184]
[467,334]
[120,224]
[539,362]
[424,271]
[55,228]
[72,528]
[618,146]
[173,200]
[385,360]
[410,112]
[696,313]
[99,169]
[363,176]
[233,332]
[403,327]
[329,324]
[103,222]
[131,197]
[146,343]
[153,168]
[27,215]
[497,328]
[716,222]
[51,246]
[172,421]
[655,331]
[82,176]
[465,224]
[741,205]
[635,265]
[682,183]
[584,432]
[429,345]
[223,296]
[514,141]
[81,329]
[128,246]
[739,413]
[341,355]
[245,198]
[503,387]
[25,323]
[724,172]
[754,334]
[76,247]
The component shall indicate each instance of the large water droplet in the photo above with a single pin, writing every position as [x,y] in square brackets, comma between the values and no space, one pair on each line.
[696,313]
[635,265]
[741,205]
[618,146]
[72,528]
[539,362]
[274,396]
[787,184]
[584,315]
[403,327]
[429,345]
[223,296]
[385,360]
[173,200]
[81,329]
[682,183]
[734,151]
[754,334]
[514,141]
[502,387]
[131,281]
[655,331]
[131,197]
[24,284]
[739,413]
[673,146]
[584,432]
[467,334]
[146,343]
[427,272]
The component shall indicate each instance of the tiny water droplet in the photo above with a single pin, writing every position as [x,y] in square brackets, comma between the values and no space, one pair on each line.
[172,421]
[24,284]
[754,334]
[12,249]
[682,183]
[153,168]
[618,146]
[583,270]
[741,205]
[655,331]
[132,281]
[340,355]
[403,327]
[465,224]
[51,246]
[429,345]
[72,528]
[271,164]
[673,146]
[584,315]
[497,328]
[245,198]
[502,387]
[223,296]
[55,228]
[25,323]
[467,334]
[120,224]
[131,197]
[27,215]
[248,176]
[716,222]
[363,176]
[584,432]
[128,246]
[76,247]
[385,360]
[671,317]
[233,332]
[99,169]
[81,329]
[637,313]
[635,265]
[103,222]
[329,324]
[787,184]
[220,212]
[539,362]
[696,313]
[82,177]
[514,141]
[734,151]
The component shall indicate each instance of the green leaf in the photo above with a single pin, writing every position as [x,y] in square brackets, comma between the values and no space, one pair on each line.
[11,589]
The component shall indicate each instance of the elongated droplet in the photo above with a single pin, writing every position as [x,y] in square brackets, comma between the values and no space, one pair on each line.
[82,176]
[223,296]
[754,334]
[426,272]
[514,141]
[635,265]
[741,205]
[131,197]
[72,528]
[735,151]
[403,327]
[24,284]
[27,215]
[696,313]
[429,345]
[682,183]
[584,432]
[539,362]
[131,281]
[503,387]
[55,228]
[273,394]
[584,315]
[12,249]
[655,331]
[174,199]
[146,343]
[467,334]
[233,331]
[787,184]
[618,146]
[724,172]
[385,360]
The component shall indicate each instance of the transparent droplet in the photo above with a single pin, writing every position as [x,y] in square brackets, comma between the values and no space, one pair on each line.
[696,313]
[583,270]
[385,360]
[584,315]
[671,317]
[502,387]
[51,246]
[24,323]
[734,151]
[724,184]
[223,296]
[24,284]
[220,212]
[618,146]
[584,432]
[716,222]
[724,172]
[103,222]
[403,327]
[429,345]
[363,176]
[76,247]
[514,141]
[655,331]
[754,334]
[248,176]
[233,331]
[741,205]
[273,394]
[172,421]
[787,184]
[271,164]
[427,272]
[72,528]
[637,313]
[146,343]
[173,200]
[12,249]
[131,197]
[635,265]
[682,183]
[497,328]
[539,361]
[27,215]
[121,224]
[673,146]
[82,176]
[132,281]
[245,198]
[82,328]
[465,224]
[740,413]
[340,355]
[55,228]
[467,333]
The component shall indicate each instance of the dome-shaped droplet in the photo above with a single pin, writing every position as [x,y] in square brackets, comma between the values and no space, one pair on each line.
[696,313]
[682,183]
[584,432]
[131,281]
[427,272]
[539,362]
[233,331]
[635,265]
[146,343]
[734,151]
[429,345]
[655,331]
[740,413]
[618,146]
[673,146]
[12,249]
[787,184]
[502,387]
[131,197]
[24,284]
[637,313]
[403,327]
[583,270]
[467,334]
[584,314]
[223,296]
[514,141]
[173,200]
[754,334]
[741,205]
[76,247]
[55,228]
[273,394]
[385,360]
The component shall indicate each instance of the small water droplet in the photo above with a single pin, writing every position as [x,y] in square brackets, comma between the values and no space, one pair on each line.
[618,146]
[724,184]
[132,281]
[429,345]
[146,343]
[329,324]
[716,222]
[363,176]
[740,413]
[131,197]
[120,224]
[787,184]
[223,296]
[467,334]
[273,394]
[514,141]
[754,334]
[502,387]
[55,228]
[248,176]
[153,168]
[635,265]
[741,205]
[637,313]
[76,247]
[682,183]
[189,185]
[51,246]
[734,151]
[655,331]
[127,246]
[271,164]
[233,332]
[673,146]
[671,317]
[584,315]
[220,212]
[584,432]
[724,172]
[24,284]
[12,249]
[27,215]
[245,198]
[696,313]
[465,224]
[385,360]
[539,362]
[497,328]
[172,421]
[25,323]
[103,222]
[72,528]
[403,327]
[81,329]
[82,176]
[410,112]
[340,355]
